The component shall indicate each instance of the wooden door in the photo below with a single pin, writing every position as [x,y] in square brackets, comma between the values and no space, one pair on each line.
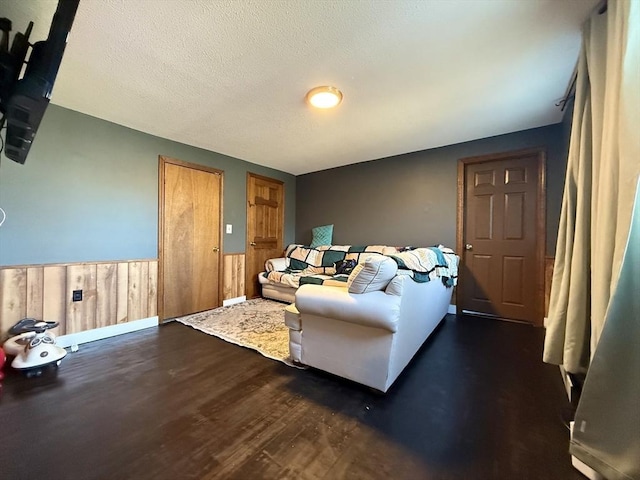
[501,235]
[265,227]
[189,238]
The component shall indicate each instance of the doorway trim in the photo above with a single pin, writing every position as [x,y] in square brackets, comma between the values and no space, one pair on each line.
[541,224]
[162,160]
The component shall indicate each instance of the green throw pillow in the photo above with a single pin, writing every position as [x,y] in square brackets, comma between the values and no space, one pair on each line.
[322,235]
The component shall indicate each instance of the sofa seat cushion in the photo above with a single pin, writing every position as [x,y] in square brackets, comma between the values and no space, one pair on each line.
[373,309]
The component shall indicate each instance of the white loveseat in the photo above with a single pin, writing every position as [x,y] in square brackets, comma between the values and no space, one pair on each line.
[367,337]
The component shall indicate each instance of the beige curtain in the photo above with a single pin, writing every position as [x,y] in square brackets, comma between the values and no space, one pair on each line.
[594,315]
[607,423]
[602,169]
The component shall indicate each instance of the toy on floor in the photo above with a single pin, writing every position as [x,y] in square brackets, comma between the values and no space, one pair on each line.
[33,346]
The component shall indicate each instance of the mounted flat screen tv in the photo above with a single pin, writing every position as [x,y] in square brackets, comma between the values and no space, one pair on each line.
[24,100]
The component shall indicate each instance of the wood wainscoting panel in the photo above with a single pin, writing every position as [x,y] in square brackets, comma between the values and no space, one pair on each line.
[107,299]
[152,290]
[54,306]
[122,293]
[35,290]
[112,292]
[81,315]
[138,299]
[233,276]
[13,297]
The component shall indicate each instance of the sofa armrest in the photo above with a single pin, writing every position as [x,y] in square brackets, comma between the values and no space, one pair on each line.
[276,264]
[372,309]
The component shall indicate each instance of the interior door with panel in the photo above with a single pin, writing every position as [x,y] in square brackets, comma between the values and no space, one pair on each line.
[265,227]
[189,239]
[503,235]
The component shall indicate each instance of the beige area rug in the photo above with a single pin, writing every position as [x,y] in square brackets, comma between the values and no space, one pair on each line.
[257,324]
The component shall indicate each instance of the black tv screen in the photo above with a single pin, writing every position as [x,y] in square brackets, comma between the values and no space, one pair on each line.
[23,101]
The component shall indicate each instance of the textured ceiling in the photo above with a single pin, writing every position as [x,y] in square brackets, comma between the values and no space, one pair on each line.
[230,75]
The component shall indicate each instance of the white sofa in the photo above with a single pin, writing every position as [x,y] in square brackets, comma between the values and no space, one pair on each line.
[366,337]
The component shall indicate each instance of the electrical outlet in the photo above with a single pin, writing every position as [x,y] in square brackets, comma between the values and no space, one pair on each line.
[77,296]
[229,228]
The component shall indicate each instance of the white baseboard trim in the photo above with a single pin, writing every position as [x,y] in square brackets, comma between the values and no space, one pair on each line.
[452,309]
[231,301]
[74,339]
[583,468]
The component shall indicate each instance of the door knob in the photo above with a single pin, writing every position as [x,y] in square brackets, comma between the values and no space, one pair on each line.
[216,249]
[468,246]
[253,244]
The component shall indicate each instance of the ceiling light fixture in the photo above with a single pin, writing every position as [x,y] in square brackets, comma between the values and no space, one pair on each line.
[324,97]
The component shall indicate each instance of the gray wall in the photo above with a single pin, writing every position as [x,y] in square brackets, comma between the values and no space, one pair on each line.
[89,192]
[411,199]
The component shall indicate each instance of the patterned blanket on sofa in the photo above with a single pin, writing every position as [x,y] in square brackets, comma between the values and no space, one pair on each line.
[302,256]
[318,265]
[430,263]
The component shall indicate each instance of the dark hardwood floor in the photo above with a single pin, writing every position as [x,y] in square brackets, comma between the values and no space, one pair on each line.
[174,403]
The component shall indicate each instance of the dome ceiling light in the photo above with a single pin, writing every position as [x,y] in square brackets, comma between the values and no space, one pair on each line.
[324,97]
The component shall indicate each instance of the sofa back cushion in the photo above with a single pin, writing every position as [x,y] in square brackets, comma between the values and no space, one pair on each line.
[374,274]
[395,286]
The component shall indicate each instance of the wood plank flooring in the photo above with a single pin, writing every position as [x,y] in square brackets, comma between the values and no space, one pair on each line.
[174,403]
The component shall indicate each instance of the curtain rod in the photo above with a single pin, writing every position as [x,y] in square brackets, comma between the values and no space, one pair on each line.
[601,8]
[571,89]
